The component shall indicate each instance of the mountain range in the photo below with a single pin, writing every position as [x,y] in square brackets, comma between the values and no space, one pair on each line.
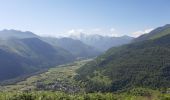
[24,53]
[75,47]
[102,43]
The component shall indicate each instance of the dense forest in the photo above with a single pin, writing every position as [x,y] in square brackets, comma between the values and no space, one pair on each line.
[138,64]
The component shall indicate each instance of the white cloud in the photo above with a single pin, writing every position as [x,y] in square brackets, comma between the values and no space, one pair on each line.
[138,33]
[99,31]
[71,31]
[112,30]
[74,32]
[96,29]
[114,33]
[104,32]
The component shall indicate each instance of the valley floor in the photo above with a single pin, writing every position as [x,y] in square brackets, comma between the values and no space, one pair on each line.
[58,84]
[59,78]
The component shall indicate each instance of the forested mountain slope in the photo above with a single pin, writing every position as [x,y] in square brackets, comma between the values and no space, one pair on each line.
[141,64]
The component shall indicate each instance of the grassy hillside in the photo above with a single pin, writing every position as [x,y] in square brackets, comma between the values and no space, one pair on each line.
[47,95]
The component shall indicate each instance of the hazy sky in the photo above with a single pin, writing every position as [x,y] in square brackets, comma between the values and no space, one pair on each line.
[115,17]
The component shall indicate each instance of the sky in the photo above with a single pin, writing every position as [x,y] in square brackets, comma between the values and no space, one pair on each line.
[65,17]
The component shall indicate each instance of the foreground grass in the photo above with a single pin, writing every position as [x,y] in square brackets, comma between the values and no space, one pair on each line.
[46,95]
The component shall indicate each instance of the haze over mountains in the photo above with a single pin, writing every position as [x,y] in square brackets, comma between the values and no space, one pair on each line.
[102,43]
[76,47]
[23,53]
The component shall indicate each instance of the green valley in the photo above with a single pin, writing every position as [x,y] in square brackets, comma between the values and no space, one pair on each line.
[59,78]
[58,83]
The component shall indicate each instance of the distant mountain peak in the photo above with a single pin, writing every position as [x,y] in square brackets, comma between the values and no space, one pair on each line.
[167,25]
[100,42]
[154,34]
[6,34]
